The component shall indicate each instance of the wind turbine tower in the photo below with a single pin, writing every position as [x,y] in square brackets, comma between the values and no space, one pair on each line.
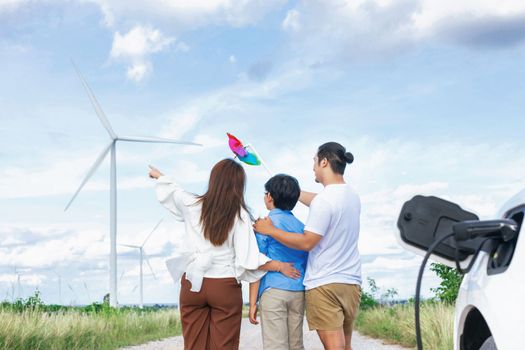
[141,257]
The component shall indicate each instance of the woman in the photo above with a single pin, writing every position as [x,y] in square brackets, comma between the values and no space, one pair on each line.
[221,250]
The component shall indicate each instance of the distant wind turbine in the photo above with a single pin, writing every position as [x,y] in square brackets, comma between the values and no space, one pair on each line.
[59,287]
[18,285]
[113,180]
[120,279]
[87,291]
[12,291]
[142,255]
[74,301]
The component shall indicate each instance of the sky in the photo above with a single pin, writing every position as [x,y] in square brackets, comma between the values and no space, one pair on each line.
[427,95]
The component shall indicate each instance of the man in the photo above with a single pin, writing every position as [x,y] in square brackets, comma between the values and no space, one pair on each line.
[333,273]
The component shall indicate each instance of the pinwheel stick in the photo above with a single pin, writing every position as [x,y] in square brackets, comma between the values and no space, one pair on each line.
[260,158]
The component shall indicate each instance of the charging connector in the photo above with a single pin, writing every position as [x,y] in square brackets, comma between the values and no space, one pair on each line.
[502,230]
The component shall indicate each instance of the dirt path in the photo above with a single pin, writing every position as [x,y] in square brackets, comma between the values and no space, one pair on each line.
[251,340]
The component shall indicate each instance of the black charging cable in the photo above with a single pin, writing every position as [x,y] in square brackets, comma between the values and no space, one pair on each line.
[430,250]
[418,287]
[474,256]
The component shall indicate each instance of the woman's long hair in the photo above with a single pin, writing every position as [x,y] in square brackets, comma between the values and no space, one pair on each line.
[223,201]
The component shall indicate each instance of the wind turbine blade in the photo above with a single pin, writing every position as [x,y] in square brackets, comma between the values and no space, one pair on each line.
[100,113]
[152,232]
[149,265]
[130,246]
[134,288]
[155,140]
[87,291]
[90,172]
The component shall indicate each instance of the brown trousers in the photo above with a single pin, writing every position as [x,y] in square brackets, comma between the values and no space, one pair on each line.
[211,319]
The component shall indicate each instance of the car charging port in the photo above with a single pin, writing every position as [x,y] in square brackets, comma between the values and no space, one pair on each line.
[501,255]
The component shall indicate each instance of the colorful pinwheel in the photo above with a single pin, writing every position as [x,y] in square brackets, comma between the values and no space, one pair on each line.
[240,151]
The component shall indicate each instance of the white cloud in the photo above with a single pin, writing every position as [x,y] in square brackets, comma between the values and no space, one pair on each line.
[382,263]
[291,21]
[138,70]
[208,142]
[233,59]
[355,29]
[183,47]
[181,14]
[136,46]
[182,121]
[79,254]
[11,5]
[139,42]
[237,98]
[433,12]
[62,177]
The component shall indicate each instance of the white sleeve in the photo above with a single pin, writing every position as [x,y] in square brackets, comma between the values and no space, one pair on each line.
[247,255]
[319,216]
[170,195]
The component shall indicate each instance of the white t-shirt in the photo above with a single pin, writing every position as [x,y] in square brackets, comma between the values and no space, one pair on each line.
[334,214]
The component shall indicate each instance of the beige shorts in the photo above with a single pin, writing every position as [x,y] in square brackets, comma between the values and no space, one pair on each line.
[333,306]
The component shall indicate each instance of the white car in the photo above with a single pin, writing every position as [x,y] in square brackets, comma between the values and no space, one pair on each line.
[490,308]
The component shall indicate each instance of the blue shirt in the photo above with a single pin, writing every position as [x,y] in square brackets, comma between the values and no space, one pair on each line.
[286,221]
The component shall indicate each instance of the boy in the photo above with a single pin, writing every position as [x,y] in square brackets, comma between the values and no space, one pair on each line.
[281,298]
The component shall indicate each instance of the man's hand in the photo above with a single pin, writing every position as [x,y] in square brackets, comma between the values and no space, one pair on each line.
[253,314]
[289,270]
[154,173]
[264,226]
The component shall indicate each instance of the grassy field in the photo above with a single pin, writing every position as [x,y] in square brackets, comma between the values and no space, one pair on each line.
[98,327]
[29,324]
[396,325]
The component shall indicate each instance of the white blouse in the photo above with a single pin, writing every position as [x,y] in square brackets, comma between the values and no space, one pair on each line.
[237,257]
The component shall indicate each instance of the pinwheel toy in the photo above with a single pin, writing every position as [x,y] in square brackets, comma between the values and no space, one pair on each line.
[241,151]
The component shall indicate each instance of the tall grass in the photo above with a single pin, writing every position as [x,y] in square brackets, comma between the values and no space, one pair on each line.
[396,324]
[72,329]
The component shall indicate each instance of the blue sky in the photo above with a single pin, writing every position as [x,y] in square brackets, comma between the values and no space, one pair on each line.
[426,94]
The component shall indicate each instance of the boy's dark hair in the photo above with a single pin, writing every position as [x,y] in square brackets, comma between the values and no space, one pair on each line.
[336,155]
[284,190]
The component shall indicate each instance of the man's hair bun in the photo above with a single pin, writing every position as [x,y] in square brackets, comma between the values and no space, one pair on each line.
[349,157]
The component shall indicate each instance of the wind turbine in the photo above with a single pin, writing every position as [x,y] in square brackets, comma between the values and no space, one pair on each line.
[141,252]
[18,286]
[87,291]
[59,287]
[74,301]
[12,291]
[113,180]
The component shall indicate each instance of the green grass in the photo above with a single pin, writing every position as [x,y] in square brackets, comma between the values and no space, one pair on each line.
[396,325]
[77,329]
